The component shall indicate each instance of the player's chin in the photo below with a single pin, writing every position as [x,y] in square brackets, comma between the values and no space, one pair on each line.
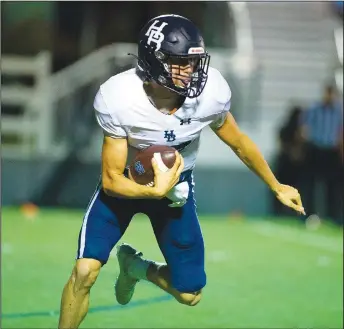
[181,83]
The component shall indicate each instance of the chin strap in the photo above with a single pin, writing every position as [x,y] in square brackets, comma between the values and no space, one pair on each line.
[130,54]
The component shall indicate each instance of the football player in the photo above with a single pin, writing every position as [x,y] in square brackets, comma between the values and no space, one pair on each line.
[167,99]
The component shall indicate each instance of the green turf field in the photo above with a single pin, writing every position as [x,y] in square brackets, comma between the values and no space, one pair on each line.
[261,274]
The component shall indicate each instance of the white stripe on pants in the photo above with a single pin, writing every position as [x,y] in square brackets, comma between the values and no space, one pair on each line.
[84,223]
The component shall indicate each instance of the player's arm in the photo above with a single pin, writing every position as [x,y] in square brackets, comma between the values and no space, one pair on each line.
[114,157]
[249,153]
[246,150]
[114,154]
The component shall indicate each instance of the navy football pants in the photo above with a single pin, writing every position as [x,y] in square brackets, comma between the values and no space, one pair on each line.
[177,231]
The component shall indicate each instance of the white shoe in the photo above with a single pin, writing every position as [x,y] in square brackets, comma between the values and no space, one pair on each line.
[125,283]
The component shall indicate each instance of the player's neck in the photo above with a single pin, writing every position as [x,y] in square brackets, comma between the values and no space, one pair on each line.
[163,99]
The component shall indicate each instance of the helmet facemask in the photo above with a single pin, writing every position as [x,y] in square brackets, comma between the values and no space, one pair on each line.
[184,74]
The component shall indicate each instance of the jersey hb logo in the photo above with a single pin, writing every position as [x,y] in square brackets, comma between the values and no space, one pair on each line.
[170,136]
[139,168]
[155,34]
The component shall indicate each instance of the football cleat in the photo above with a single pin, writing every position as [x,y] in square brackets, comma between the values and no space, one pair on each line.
[125,283]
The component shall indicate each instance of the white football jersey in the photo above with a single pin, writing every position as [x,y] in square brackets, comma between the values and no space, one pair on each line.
[123,110]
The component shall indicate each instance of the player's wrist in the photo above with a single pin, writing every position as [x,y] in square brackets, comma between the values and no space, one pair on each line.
[275,187]
[158,193]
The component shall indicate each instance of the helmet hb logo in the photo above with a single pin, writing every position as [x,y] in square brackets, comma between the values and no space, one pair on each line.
[155,35]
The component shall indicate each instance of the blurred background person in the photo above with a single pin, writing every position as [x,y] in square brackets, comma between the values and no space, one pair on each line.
[323,130]
[290,161]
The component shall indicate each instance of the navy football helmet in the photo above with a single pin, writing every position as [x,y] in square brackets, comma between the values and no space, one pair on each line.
[168,42]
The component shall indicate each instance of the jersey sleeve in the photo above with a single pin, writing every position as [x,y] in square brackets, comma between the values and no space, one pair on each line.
[222,94]
[220,118]
[107,118]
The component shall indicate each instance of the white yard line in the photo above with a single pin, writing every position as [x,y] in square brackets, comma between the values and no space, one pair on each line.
[294,235]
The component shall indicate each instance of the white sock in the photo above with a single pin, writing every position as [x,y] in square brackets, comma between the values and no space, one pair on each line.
[138,268]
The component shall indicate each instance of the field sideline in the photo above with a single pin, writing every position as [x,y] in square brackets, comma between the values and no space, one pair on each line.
[261,274]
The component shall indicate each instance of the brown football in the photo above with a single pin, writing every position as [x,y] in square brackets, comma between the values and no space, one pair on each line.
[141,170]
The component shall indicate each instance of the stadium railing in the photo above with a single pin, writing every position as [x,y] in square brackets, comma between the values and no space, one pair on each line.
[25,107]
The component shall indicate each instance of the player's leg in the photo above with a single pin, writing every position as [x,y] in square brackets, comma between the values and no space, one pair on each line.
[331,176]
[105,221]
[180,239]
[133,267]
[75,296]
[160,275]
[181,242]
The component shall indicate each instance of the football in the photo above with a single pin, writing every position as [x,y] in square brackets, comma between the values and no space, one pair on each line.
[141,169]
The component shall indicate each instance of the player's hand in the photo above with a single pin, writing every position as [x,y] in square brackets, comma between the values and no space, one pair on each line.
[290,197]
[164,181]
